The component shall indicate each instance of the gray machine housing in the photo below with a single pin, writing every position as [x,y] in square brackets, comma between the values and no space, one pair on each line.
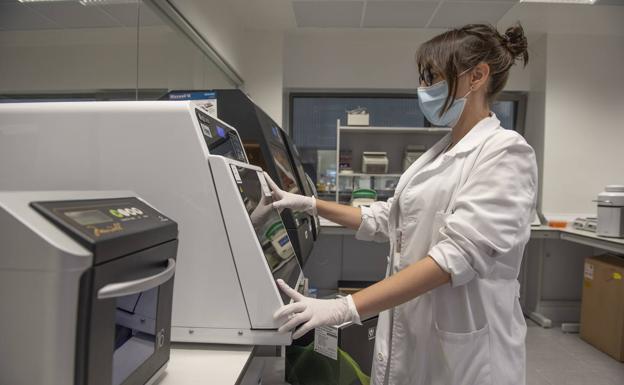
[40,271]
[159,150]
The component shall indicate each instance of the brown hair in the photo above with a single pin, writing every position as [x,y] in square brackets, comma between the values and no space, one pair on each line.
[459,50]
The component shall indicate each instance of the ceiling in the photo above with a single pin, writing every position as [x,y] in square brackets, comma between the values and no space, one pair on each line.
[16,16]
[319,14]
[398,14]
[315,14]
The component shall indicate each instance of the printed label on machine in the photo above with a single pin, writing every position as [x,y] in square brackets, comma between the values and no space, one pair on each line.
[265,188]
[236,174]
[326,341]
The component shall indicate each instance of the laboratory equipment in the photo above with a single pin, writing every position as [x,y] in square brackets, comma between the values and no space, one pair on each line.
[270,148]
[86,283]
[611,212]
[358,117]
[225,291]
[587,224]
[345,165]
[412,153]
[363,197]
[374,162]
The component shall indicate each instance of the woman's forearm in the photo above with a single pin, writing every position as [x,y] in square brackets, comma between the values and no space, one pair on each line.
[346,216]
[401,287]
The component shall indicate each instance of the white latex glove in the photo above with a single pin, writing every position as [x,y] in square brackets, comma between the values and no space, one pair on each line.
[286,200]
[262,210]
[312,312]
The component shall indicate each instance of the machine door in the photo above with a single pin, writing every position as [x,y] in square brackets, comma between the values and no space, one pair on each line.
[125,332]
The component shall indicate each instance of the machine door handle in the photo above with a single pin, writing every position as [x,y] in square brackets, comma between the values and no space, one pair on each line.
[120,289]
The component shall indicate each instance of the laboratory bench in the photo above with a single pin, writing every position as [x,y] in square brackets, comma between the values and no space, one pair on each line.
[588,238]
[550,276]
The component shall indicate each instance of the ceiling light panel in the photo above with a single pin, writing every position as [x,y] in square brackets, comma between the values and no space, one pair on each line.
[343,14]
[398,14]
[17,17]
[74,15]
[560,1]
[454,14]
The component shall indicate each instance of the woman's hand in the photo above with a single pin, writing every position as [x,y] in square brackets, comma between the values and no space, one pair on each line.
[312,312]
[286,200]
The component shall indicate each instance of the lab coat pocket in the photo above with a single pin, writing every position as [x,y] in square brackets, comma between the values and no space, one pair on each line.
[467,356]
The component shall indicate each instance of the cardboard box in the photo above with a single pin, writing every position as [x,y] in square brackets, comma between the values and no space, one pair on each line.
[341,355]
[602,308]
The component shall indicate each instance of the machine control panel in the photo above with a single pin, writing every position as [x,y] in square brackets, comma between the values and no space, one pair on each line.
[132,223]
[220,138]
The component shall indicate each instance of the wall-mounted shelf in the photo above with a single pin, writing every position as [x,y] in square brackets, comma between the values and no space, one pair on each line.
[394,130]
[394,145]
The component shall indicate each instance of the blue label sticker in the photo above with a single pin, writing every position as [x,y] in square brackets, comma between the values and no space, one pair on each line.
[197,95]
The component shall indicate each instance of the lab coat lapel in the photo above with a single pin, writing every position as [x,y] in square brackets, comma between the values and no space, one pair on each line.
[420,163]
[473,138]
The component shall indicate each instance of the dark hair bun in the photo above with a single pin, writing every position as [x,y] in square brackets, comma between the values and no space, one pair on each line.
[516,43]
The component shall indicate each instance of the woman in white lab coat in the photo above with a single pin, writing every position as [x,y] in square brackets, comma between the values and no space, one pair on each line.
[457,225]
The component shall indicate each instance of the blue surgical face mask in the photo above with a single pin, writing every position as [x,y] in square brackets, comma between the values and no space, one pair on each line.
[431,100]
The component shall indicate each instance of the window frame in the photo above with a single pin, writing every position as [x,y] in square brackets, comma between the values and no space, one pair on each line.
[290,94]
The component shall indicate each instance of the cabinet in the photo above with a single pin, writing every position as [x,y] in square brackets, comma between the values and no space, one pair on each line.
[392,140]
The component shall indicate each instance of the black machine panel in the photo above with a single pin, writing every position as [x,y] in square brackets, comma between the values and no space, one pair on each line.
[270,230]
[110,227]
[266,147]
[256,128]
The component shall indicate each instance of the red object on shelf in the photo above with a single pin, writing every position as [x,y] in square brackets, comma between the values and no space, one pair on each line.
[558,224]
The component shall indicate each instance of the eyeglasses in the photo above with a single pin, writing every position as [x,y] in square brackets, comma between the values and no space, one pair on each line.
[427,78]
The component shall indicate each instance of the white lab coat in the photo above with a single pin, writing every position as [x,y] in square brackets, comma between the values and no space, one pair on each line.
[470,210]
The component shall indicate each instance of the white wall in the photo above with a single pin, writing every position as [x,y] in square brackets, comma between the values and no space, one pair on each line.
[584,120]
[536,113]
[219,25]
[373,58]
[263,70]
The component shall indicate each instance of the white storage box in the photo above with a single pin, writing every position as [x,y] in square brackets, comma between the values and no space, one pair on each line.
[358,117]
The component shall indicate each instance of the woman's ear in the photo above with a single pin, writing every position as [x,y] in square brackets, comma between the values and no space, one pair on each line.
[479,76]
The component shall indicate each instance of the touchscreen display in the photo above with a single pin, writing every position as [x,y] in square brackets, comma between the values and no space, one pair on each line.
[270,231]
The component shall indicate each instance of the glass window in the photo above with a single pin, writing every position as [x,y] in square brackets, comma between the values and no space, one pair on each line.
[101,50]
[313,127]
[505,112]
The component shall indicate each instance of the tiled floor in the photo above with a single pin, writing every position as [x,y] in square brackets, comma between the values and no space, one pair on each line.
[557,358]
[553,358]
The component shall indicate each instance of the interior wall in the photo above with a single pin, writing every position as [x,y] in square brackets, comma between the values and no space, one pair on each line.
[219,26]
[263,70]
[363,58]
[584,121]
[536,111]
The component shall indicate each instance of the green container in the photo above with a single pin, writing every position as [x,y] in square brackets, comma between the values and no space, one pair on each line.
[274,229]
[352,365]
[364,193]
